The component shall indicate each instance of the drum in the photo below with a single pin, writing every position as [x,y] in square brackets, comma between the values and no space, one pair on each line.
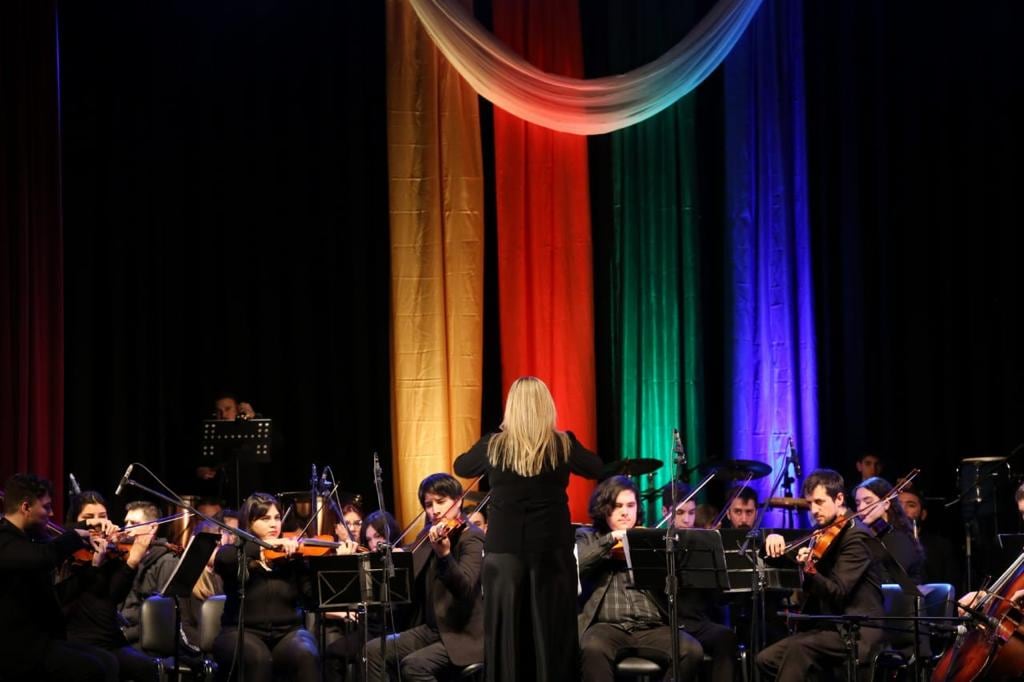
[180,530]
[984,483]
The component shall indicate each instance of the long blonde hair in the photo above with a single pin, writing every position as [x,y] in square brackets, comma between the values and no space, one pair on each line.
[528,439]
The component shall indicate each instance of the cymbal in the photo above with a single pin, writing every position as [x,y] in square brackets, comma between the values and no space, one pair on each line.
[736,468]
[632,467]
[982,460]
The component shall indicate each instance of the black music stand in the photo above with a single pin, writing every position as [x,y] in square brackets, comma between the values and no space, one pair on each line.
[237,441]
[748,571]
[355,582]
[700,561]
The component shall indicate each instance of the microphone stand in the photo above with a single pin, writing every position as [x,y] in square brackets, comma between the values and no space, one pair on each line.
[389,573]
[241,537]
[671,582]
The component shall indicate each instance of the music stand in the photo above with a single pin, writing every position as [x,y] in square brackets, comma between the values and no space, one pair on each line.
[191,565]
[355,582]
[239,440]
[747,572]
[700,560]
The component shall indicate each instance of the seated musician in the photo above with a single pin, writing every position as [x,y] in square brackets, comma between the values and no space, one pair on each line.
[189,610]
[447,592]
[698,612]
[91,592]
[743,507]
[275,640]
[844,580]
[154,570]
[345,639]
[617,621]
[33,645]
[894,529]
[940,565]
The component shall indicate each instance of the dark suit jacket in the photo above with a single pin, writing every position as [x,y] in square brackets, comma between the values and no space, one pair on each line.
[456,596]
[848,578]
[595,573]
[528,513]
[154,571]
[28,601]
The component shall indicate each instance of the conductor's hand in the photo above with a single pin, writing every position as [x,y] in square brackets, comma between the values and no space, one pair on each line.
[774,545]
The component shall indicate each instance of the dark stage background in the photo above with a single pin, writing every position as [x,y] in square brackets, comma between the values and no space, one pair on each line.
[225,225]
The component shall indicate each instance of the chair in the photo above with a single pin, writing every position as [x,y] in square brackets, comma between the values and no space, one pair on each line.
[938,599]
[209,628]
[639,668]
[156,632]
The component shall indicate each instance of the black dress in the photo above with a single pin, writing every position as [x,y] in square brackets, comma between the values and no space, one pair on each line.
[529,574]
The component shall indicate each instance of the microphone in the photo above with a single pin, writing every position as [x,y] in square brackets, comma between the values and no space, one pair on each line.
[75,488]
[124,479]
[794,459]
[677,447]
[377,471]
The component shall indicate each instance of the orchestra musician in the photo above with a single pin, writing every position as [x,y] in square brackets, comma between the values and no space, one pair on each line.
[274,638]
[617,620]
[1018,496]
[155,568]
[529,575]
[898,537]
[743,508]
[34,644]
[699,615]
[940,564]
[91,592]
[447,592]
[845,580]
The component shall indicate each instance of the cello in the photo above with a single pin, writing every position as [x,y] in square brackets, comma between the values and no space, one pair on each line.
[992,648]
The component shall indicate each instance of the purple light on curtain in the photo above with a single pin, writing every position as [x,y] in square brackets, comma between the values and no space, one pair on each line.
[771,365]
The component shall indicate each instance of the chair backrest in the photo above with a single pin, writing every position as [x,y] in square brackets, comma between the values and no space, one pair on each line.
[156,627]
[209,621]
[939,600]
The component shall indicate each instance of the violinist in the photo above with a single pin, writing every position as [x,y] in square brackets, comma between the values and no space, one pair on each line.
[34,644]
[844,579]
[940,564]
[529,572]
[617,620]
[447,591]
[274,639]
[890,524]
[92,591]
[699,615]
[155,568]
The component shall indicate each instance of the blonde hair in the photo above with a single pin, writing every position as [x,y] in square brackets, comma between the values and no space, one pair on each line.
[528,439]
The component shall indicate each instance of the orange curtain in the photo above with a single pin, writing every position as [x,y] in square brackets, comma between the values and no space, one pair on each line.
[545,274]
[436,223]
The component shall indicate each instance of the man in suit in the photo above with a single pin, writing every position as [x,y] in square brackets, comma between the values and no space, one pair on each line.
[447,568]
[845,581]
[34,644]
[618,621]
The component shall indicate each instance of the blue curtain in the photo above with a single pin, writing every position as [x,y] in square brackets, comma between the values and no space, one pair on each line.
[771,362]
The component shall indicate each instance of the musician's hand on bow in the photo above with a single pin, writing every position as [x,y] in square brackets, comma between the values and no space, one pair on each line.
[346,547]
[775,545]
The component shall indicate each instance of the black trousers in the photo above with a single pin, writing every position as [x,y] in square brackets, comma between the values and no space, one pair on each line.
[605,643]
[530,616]
[718,642]
[419,651]
[78,662]
[802,656]
[295,654]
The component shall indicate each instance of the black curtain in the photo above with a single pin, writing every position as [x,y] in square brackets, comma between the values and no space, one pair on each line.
[225,193]
[915,136]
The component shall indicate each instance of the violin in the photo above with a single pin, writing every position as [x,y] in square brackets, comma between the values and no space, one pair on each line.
[824,541]
[321,545]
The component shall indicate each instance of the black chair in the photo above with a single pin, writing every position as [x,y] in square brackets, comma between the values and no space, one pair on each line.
[897,658]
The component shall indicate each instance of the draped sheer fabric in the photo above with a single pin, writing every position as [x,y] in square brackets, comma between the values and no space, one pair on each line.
[584,106]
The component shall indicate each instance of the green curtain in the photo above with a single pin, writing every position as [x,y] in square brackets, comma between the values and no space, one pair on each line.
[654,278]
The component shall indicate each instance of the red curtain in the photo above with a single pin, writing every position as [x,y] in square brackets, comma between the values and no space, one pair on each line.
[31,265]
[545,271]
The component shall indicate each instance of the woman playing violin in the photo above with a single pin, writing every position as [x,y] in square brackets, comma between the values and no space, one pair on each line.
[841,577]
[529,574]
[274,638]
[889,523]
[93,589]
